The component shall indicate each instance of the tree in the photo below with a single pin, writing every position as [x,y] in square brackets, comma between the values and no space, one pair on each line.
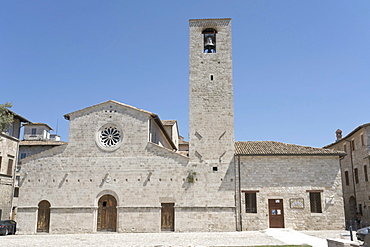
[6,117]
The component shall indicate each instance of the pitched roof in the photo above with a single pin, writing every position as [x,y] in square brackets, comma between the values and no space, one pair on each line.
[22,119]
[250,148]
[42,124]
[351,133]
[67,116]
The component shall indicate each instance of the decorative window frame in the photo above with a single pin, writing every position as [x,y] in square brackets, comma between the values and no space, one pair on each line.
[109,137]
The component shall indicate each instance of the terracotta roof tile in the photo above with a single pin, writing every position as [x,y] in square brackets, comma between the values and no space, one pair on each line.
[279,148]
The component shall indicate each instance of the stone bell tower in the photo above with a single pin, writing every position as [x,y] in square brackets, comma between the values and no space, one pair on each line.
[211,128]
[209,201]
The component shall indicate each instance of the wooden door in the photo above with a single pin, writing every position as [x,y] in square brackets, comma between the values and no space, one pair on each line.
[107,214]
[168,217]
[276,213]
[43,217]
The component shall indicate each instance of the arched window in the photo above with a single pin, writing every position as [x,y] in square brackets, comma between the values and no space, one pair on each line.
[43,216]
[209,39]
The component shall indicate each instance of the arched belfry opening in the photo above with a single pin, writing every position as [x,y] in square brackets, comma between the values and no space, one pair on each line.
[209,39]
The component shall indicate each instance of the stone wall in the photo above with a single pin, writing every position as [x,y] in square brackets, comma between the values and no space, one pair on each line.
[8,151]
[139,174]
[288,178]
[356,158]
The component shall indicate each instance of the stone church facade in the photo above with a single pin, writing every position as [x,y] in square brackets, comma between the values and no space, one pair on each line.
[123,169]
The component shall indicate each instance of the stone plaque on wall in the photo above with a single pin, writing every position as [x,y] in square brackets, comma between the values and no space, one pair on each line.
[296,203]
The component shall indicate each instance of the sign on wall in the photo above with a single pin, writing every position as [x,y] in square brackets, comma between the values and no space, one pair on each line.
[296,203]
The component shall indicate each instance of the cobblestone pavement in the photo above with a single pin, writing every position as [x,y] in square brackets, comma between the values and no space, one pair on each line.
[247,238]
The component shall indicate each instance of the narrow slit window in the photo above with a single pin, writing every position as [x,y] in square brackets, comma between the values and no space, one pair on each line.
[356,176]
[211,77]
[346,175]
[365,173]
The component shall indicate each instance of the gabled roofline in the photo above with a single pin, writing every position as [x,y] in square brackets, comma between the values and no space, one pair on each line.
[348,135]
[153,115]
[68,115]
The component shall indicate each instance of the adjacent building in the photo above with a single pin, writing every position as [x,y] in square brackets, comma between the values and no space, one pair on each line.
[126,170]
[355,173]
[9,143]
[37,138]
[286,185]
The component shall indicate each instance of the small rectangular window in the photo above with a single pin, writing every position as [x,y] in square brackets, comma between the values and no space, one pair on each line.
[211,77]
[315,202]
[346,177]
[23,155]
[251,202]
[365,173]
[10,167]
[353,145]
[362,140]
[345,148]
[0,162]
[33,131]
[356,175]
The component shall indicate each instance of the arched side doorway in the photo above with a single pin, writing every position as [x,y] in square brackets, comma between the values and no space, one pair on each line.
[43,216]
[107,213]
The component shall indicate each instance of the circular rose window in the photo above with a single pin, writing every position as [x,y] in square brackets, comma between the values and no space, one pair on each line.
[109,137]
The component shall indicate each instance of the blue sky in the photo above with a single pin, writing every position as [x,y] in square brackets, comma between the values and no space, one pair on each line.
[301,69]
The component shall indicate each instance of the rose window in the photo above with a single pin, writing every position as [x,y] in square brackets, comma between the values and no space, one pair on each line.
[110,136]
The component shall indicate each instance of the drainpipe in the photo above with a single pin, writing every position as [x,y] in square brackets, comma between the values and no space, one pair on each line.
[239,200]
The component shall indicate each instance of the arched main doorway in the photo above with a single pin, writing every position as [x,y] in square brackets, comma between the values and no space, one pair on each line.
[43,216]
[107,213]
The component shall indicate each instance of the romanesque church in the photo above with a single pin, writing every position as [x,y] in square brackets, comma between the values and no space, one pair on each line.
[126,170]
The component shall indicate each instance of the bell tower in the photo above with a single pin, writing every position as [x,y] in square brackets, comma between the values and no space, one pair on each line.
[211,113]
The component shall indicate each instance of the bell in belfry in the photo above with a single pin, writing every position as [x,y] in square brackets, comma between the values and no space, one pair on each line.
[209,46]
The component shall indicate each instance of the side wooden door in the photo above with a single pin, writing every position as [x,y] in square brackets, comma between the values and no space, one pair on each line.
[276,213]
[168,217]
[43,217]
[107,214]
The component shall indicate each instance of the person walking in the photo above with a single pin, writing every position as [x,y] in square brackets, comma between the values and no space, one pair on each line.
[358,220]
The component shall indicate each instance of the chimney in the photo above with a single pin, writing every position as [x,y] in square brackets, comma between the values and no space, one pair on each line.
[338,133]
